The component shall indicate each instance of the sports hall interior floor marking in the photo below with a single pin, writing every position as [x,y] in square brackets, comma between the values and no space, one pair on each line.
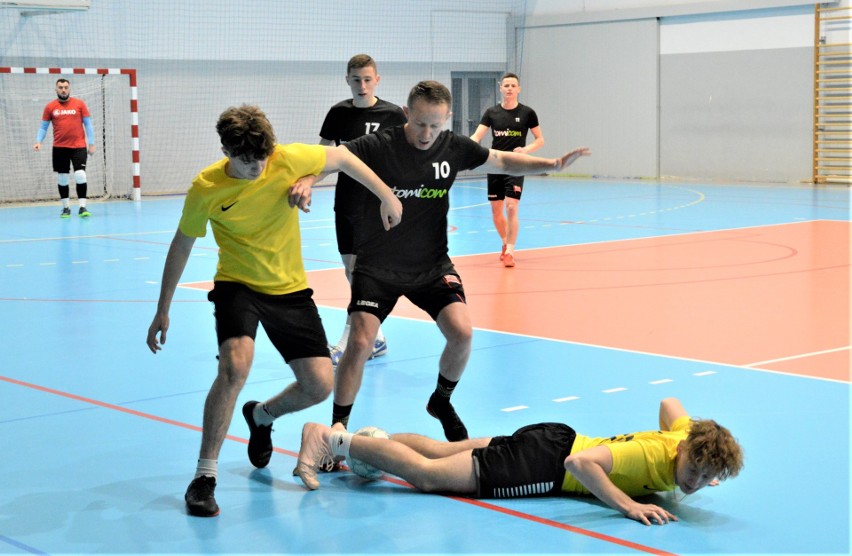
[100,437]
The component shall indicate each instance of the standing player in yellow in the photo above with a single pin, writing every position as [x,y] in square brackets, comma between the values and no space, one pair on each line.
[547,459]
[509,122]
[250,201]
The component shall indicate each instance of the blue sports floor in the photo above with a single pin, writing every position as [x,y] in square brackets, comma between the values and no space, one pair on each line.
[99,437]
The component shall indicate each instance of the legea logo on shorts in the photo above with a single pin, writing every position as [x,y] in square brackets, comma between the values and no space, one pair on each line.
[363,303]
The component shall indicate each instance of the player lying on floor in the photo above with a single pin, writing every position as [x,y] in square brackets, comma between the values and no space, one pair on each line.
[546,459]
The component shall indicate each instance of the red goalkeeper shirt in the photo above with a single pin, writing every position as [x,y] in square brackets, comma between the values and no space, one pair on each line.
[67,119]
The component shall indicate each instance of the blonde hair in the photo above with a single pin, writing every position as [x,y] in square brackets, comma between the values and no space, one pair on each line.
[711,446]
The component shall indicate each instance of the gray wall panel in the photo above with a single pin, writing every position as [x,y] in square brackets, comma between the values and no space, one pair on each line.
[596,85]
[744,115]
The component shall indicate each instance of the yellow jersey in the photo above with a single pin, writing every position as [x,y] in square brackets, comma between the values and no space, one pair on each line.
[257,232]
[642,462]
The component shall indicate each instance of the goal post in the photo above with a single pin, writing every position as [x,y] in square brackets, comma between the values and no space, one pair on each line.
[111,96]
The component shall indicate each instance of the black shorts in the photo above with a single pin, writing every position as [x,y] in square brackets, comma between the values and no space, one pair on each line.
[65,157]
[376,292]
[531,462]
[501,186]
[291,321]
[345,230]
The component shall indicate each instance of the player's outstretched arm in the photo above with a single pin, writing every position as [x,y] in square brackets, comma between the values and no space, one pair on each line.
[592,467]
[341,158]
[179,252]
[519,164]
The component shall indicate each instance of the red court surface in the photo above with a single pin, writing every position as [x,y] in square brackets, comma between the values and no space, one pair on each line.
[769,297]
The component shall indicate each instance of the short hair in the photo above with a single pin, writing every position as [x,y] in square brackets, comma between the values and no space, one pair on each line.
[508,74]
[62,80]
[430,91]
[246,132]
[711,446]
[360,61]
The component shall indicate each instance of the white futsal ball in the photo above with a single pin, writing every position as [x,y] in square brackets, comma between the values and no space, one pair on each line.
[359,467]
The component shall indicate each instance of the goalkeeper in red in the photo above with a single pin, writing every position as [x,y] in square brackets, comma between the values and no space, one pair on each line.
[72,124]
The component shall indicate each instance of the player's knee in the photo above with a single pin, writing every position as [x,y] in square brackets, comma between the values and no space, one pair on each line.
[321,386]
[425,478]
[461,335]
[360,343]
[62,179]
[80,176]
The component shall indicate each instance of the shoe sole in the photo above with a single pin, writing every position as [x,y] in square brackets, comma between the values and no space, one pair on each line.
[200,514]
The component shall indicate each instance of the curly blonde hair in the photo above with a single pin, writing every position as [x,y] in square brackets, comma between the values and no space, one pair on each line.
[711,446]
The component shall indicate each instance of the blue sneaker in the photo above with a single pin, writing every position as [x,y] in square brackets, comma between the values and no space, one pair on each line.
[336,354]
[379,348]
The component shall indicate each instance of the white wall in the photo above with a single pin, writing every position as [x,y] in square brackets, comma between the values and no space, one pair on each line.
[733,84]
[197,57]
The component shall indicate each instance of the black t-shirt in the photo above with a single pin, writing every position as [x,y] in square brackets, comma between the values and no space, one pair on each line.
[345,122]
[421,181]
[509,127]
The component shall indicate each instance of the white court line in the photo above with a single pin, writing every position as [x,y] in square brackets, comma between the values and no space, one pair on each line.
[800,356]
[516,408]
[98,236]
[598,346]
[704,373]
[661,381]
[614,390]
[567,399]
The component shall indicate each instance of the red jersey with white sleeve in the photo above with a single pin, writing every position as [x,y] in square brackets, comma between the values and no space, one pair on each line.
[67,119]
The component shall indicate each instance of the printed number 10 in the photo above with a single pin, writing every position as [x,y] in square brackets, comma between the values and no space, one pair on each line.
[442,169]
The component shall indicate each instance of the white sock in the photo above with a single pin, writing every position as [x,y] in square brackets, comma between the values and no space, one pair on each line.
[82,203]
[339,442]
[510,248]
[344,338]
[206,467]
[380,336]
[65,203]
[261,415]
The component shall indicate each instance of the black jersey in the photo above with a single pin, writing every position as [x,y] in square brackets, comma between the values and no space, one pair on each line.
[509,127]
[345,122]
[421,181]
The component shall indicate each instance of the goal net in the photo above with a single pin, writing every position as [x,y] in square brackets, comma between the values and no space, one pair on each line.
[28,175]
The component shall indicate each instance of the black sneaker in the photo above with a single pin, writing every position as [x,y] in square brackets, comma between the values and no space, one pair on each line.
[199,497]
[66,213]
[260,438]
[84,212]
[443,411]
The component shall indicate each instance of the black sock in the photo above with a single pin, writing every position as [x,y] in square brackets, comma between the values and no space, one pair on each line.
[340,414]
[443,391]
[82,190]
